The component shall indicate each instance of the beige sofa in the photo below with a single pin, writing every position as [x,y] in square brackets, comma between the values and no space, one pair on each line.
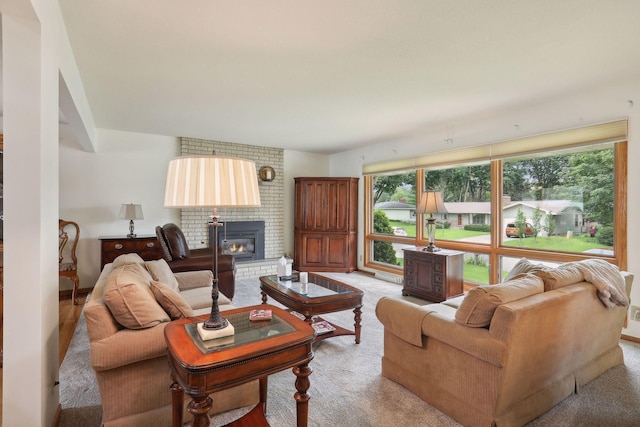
[127,312]
[505,354]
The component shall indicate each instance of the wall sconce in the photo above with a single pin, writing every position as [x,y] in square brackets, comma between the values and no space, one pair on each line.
[267,174]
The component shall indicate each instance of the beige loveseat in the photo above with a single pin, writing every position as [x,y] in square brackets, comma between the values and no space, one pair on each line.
[127,312]
[505,354]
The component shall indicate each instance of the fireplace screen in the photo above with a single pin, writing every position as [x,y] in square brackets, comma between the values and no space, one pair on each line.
[242,247]
[242,239]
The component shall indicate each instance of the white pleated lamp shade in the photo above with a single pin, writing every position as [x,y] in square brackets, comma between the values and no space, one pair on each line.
[211,181]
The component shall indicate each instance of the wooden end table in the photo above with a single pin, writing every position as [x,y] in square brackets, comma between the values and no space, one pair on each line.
[322,295]
[256,350]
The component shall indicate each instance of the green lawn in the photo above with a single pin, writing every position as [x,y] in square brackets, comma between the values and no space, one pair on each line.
[480,274]
[558,243]
[579,243]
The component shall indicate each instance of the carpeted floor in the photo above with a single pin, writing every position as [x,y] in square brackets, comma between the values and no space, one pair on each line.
[347,388]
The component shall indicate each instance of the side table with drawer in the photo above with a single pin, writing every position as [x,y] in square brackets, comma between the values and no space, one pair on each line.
[147,246]
[433,276]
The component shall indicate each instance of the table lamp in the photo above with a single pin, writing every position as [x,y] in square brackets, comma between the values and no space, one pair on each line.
[131,211]
[430,203]
[212,182]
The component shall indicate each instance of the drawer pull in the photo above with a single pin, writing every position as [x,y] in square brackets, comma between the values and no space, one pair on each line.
[150,244]
[118,245]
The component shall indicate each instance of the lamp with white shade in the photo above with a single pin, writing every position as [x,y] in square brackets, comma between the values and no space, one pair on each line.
[131,211]
[430,203]
[212,182]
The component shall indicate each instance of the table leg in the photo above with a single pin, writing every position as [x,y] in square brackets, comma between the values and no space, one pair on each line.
[199,407]
[177,400]
[264,386]
[264,297]
[302,373]
[356,324]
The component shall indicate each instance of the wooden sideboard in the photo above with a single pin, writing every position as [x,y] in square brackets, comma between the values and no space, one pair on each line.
[325,224]
[433,276]
[147,246]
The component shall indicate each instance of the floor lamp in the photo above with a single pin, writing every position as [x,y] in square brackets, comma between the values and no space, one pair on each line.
[212,182]
[430,203]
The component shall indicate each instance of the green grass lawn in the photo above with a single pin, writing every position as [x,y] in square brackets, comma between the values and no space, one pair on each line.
[579,243]
[557,243]
[480,274]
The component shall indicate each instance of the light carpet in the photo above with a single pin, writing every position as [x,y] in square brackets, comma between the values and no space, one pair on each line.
[347,388]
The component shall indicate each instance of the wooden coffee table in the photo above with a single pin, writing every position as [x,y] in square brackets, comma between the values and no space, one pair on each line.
[256,350]
[323,295]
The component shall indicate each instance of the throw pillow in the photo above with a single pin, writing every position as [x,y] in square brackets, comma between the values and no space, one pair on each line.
[563,275]
[127,259]
[481,302]
[130,300]
[171,301]
[523,266]
[161,272]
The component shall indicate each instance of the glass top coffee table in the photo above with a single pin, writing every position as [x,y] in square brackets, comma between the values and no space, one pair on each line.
[320,295]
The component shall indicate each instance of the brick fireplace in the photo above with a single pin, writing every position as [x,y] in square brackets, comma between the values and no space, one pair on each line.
[271,212]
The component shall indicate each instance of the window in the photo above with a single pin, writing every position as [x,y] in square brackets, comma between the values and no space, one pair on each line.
[466,192]
[554,200]
[551,198]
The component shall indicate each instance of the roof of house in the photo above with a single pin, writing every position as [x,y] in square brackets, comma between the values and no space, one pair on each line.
[549,206]
[394,205]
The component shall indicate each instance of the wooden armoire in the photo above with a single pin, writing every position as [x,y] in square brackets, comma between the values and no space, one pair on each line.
[326,224]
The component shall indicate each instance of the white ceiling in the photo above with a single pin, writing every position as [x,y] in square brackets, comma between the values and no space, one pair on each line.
[326,76]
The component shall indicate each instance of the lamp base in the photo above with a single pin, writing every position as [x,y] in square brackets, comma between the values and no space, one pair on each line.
[211,334]
[431,248]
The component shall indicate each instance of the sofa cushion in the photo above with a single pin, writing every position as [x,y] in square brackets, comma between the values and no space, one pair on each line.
[170,300]
[480,303]
[194,279]
[130,300]
[127,259]
[161,272]
[201,298]
[563,275]
[523,266]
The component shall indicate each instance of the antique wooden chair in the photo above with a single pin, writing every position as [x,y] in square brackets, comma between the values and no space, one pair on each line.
[68,232]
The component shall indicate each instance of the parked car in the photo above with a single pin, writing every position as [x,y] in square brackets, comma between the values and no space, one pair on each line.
[512,230]
[399,231]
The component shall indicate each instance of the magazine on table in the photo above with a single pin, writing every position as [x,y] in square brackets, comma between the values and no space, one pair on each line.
[323,327]
[260,314]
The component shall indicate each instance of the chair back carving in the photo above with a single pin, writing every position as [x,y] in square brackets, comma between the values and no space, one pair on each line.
[68,236]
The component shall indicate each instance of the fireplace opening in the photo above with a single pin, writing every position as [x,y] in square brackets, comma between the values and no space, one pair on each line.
[242,239]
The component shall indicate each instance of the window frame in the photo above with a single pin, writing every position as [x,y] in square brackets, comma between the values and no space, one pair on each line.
[494,249]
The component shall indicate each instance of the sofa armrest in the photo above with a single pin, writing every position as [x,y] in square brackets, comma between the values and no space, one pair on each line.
[194,279]
[128,346]
[402,318]
[412,322]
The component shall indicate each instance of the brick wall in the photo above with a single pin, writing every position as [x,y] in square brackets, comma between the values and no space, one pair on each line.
[271,211]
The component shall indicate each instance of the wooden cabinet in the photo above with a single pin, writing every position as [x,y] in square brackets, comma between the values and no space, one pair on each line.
[147,246]
[325,224]
[434,276]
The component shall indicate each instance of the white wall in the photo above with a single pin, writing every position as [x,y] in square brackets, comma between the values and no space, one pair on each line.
[587,107]
[126,168]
